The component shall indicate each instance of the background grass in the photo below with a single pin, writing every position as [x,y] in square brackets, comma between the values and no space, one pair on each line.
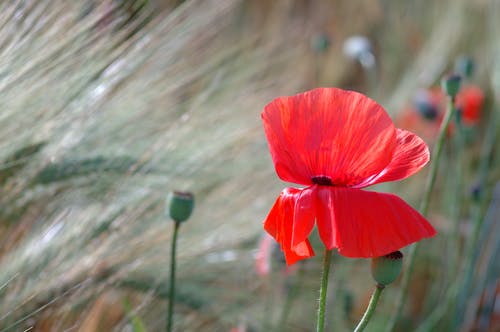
[106,106]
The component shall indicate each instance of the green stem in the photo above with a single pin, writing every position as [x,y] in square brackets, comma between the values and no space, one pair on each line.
[437,314]
[477,215]
[323,291]
[458,199]
[371,308]
[424,207]
[171,293]
[436,154]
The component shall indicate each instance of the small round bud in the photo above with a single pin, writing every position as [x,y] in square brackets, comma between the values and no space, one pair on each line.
[320,43]
[451,84]
[424,105]
[386,269]
[476,192]
[465,66]
[427,111]
[180,205]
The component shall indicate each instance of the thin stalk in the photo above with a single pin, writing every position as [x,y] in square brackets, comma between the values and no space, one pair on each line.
[320,327]
[171,293]
[459,292]
[370,309]
[436,154]
[459,144]
[456,201]
[477,215]
[433,319]
[424,207]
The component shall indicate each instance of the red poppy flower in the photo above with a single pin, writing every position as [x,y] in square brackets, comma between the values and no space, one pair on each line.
[336,142]
[470,100]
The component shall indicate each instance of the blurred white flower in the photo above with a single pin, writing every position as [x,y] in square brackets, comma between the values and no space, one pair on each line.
[359,48]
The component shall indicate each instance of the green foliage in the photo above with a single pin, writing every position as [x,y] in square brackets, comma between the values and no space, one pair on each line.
[108,105]
[135,321]
[17,160]
[190,294]
[71,168]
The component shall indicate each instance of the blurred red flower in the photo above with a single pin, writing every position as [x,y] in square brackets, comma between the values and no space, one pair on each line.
[336,142]
[263,256]
[470,101]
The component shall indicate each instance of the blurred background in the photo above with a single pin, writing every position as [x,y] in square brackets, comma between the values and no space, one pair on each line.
[108,105]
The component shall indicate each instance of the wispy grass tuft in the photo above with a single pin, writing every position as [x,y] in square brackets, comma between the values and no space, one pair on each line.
[108,105]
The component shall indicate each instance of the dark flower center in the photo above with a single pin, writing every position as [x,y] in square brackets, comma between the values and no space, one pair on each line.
[394,255]
[183,194]
[322,180]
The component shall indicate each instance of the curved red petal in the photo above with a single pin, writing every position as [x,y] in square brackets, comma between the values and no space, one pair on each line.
[303,218]
[325,217]
[368,224]
[279,224]
[328,132]
[410,155]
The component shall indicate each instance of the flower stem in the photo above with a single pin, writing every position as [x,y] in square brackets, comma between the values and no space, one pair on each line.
[458,198]
[370,309]
[424,207]
[477,215]
[171,293]
[320,327]
[436,154]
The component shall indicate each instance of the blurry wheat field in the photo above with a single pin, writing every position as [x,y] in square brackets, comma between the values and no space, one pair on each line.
[108,105]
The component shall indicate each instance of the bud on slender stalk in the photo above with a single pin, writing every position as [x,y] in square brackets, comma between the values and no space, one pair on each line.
[451,84]
[180,205]
[179,208]
[425,105]
[476,192]
[386,269]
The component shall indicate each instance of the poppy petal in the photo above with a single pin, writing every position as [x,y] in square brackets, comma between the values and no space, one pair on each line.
[410,155]
[325,217]
[279,224]
[303,218]
[470,100]
[367,224]
[340,134]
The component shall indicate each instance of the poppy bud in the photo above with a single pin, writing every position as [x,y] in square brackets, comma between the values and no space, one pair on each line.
[451,84]
[427,111]
[386,269]
[320,43]
[180,205]
[464,65]
[476,192]
[425,106]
